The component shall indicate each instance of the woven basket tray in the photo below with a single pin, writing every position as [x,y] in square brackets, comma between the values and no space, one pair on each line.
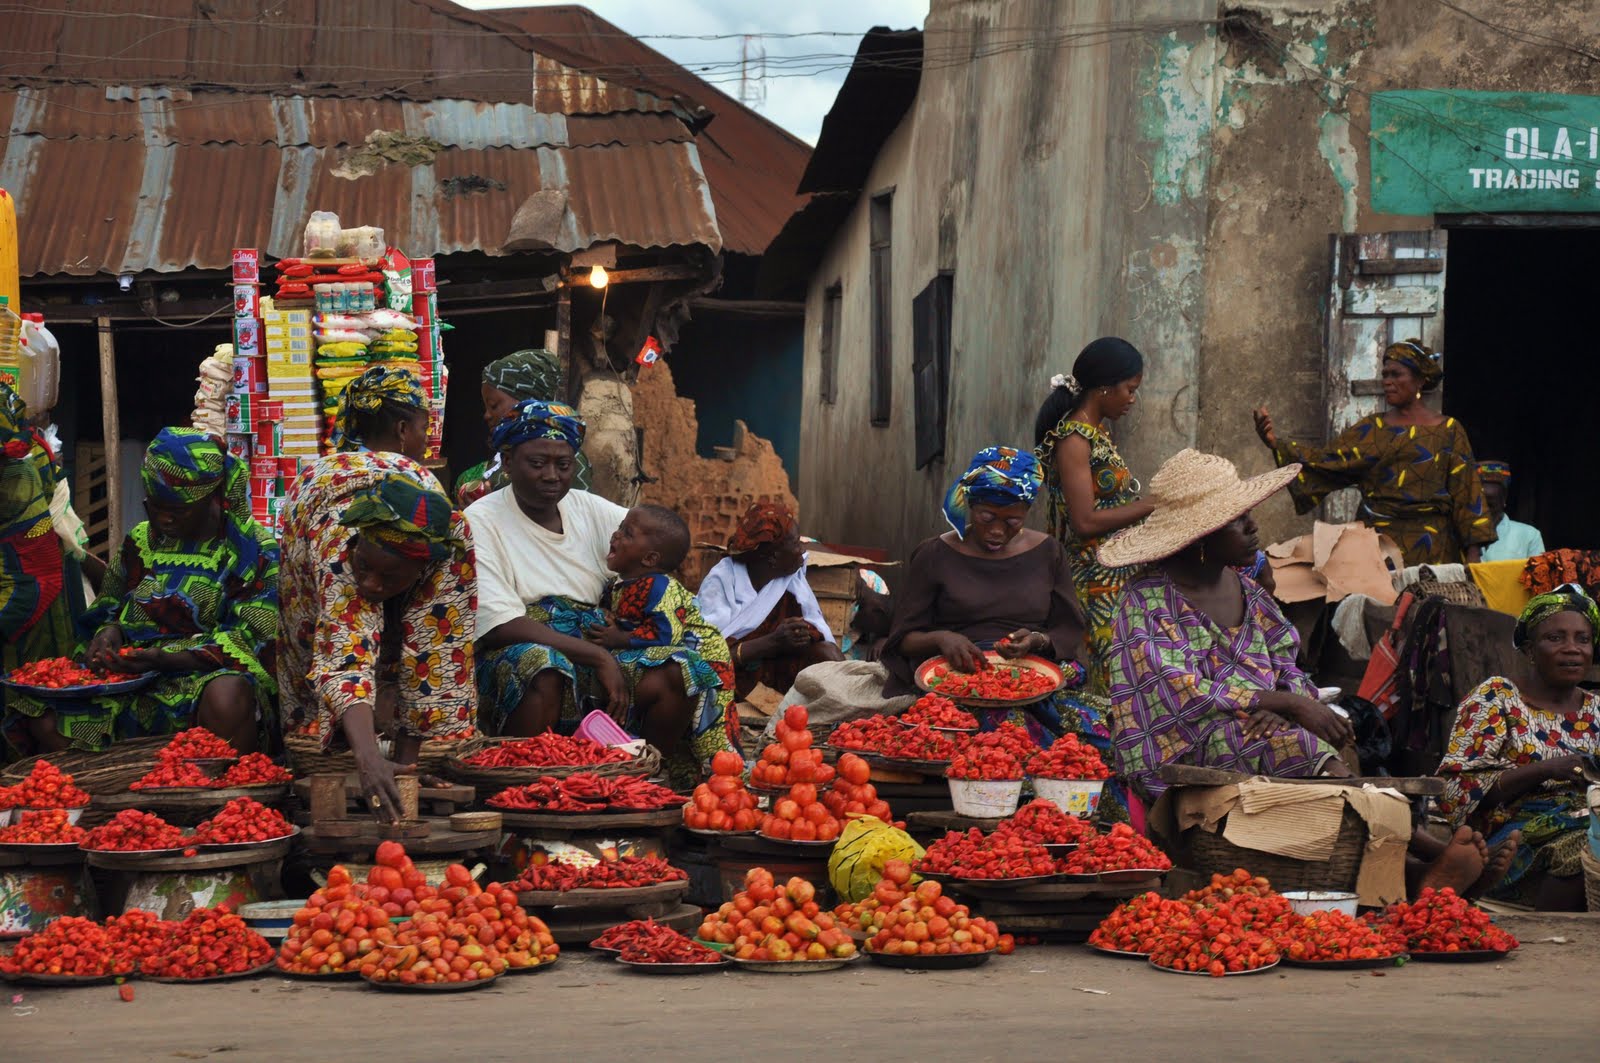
[1212,854]
[493,780]
[305,755]
[109,772]
[1591,879]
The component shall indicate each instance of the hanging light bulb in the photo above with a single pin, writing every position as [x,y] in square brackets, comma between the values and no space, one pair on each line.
[598,277]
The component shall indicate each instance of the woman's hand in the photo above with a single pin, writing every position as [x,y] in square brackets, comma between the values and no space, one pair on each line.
[377,774]
[102,654]
[1024,643]
[1264,428]
[1262,723]
[139,660]
[1318,719]
[962,653]
[1565,768]
[615,686]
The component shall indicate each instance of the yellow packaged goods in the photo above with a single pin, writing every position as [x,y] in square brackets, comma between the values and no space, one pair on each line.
[865,845]
[342,349]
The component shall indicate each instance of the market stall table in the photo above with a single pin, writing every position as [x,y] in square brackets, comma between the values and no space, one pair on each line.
[172,884]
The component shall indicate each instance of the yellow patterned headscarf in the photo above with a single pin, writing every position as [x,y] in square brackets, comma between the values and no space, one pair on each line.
[370,392]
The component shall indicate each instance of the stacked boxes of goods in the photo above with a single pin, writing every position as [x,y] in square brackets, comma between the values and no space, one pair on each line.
[286,430]
[430,351]
[249,387]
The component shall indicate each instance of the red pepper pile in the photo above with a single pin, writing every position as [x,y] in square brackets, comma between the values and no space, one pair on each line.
[254,769]
[986,856]
[627,872]
[1043,823]
[1328,937]
[885,737]
[196,743]
[1009,737]
[548,750]
[998,681]
[132,830]
[209,942]
[1121,849]
[1441,921]
[1137,925]
[70,945]
[58,672]
[242,820]
[1068,758]
[46,826]
[938,711]
[670,947]
[587,792]
[137,935]
[1216,939]
[46,786]
[634,933]
[988,764]
[171,774]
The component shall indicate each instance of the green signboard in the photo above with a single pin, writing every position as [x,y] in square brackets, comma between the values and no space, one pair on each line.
[1438,151]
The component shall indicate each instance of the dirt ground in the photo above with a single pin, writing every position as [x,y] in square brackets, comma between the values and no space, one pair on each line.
[1041,1003]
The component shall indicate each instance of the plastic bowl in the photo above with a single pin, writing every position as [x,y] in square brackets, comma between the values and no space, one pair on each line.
[1308,902]
[985,798]
[1075,797]
[598,727]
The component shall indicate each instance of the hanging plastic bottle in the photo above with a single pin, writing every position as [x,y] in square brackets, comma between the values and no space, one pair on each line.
[41,365]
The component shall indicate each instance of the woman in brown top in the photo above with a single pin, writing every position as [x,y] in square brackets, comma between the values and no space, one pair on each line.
[990,582]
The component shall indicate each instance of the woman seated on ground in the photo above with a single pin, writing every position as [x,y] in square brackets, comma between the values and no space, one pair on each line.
[1203,668]
[522,375]
[192,595]
[990,582]
[543,567]
[759,599]
[1513,767]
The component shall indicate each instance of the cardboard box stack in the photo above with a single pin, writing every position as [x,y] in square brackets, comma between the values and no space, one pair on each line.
[430,349]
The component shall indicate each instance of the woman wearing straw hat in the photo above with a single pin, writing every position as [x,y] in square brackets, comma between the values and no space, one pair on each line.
[1419,484]
[1203,665]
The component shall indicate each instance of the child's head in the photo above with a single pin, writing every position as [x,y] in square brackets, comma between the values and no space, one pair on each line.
[649,540]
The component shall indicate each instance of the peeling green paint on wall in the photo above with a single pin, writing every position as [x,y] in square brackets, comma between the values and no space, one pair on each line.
[1178,115]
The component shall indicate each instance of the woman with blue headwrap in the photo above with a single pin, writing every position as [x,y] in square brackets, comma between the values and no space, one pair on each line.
[192,595]
[542,576]
[1514,764]
[989,581]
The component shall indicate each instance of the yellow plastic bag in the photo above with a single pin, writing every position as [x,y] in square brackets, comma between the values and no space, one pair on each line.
[865,845]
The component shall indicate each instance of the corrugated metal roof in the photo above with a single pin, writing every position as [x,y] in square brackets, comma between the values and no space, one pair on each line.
[172,197]
[754,165]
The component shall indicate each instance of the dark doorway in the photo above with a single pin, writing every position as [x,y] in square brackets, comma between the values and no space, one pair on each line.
[1522,372]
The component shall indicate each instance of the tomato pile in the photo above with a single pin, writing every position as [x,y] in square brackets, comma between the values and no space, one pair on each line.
[887,738]
[768,922]
[1068,758]
[791,759]
[242,820]
[46,786]
[988,764]
[935,710]
[722,802]
[1327,937]
[57,672]
[1441,921]
[1120,849]
[997,681]
[1042,822]
[209,942]
[986,856]
[132,830]
[853,793]
[1007,737]
[925,922]
[45,826]
[800,816]
[548,750]
[626,872]
[71,945]
[1135,926]
[587,792]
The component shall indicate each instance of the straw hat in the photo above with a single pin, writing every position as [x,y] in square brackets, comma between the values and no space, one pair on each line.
[1194,495]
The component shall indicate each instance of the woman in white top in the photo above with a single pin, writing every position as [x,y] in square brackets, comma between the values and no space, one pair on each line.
[542,577]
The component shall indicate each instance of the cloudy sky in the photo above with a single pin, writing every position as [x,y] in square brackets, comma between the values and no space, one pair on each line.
[803,72]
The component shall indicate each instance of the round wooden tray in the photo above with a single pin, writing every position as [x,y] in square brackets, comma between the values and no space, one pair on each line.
[270,965]
[666,817]
[593,898]
[187,797]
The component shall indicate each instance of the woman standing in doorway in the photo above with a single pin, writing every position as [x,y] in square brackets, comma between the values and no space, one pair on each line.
[1414,467]
[1091,492]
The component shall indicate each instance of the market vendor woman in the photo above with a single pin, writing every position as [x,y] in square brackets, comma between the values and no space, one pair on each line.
[192,594]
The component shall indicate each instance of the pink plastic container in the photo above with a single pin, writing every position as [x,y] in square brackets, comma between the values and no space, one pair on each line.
[598,727]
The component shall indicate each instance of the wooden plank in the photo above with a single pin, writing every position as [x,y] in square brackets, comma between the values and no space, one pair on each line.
[111,428]
[1391,302]
[1385,266]
[1193,775]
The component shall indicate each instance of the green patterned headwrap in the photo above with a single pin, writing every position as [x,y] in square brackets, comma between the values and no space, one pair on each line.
[1568,598]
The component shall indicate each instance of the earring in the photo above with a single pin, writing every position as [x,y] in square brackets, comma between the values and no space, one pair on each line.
[1419,396]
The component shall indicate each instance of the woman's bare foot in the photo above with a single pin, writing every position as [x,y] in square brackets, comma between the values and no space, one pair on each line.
[1459,866]
[1495,868]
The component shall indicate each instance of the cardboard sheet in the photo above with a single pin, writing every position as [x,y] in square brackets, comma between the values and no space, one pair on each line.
[1333,562]
[1301,821]
[762,702]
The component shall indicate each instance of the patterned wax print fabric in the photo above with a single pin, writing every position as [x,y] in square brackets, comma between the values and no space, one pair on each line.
[338,648]
[531,374]
[1098,585]
[372,390]
[1182,686]
[1419,484]
[201,597]
[997,476]
[533,419]
[762,523]
[1496,730]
